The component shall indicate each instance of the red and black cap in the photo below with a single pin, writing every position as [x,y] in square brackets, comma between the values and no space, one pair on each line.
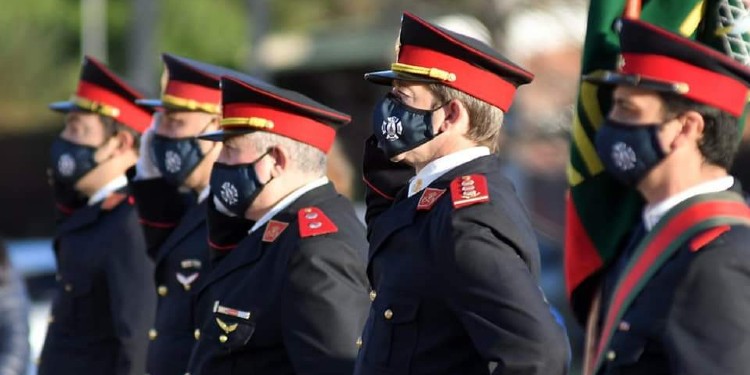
[101,91]
[659,60]
[430,53]
[250,105]
[191,85]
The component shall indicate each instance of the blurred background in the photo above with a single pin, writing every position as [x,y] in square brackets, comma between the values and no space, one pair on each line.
[321,48]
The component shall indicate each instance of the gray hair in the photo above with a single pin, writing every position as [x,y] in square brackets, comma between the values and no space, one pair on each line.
[485,120]
[305,158]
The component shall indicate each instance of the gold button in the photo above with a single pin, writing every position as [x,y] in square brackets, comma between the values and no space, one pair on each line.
[162,290]
[624,326]
[388,314]
[373,295]
[152,334]
[68,288]
[223,338]
[51,319]
[611,355]
[197,334]
[359,342]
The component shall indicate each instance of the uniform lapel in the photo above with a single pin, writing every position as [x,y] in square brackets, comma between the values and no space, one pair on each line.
[399,215]
[82,217]
[195,216]
[247,251]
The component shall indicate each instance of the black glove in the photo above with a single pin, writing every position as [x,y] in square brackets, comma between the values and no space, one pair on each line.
[224,232]
[383,178]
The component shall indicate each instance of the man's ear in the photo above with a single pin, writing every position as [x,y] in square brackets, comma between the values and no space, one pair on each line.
[214,124]
[125,141]
[692,128]
[455,114]
[281,158]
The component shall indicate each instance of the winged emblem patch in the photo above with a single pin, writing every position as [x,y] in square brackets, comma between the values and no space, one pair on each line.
[227,328]
[186,281]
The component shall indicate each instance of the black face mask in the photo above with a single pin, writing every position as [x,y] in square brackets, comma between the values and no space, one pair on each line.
[400,128]
[70,161]
[629,151]
[176,158]
[236,186]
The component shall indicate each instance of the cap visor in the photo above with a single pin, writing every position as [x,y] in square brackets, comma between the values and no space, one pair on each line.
[610,78]
[222,135]
[62,106]
[149,103]
[386,77]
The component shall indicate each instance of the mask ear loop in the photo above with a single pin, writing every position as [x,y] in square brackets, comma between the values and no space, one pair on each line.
[432,111]
[113,134]
[655,136]
[215,144]
[268,152]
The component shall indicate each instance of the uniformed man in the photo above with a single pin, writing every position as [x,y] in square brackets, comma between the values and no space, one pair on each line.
[675,300]
[454,264]
[105,302]
[170,187]
[291,297]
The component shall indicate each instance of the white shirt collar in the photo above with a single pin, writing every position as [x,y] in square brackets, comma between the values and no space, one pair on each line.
[289,199]
[112,186]
[204,194]
[438,167]
[652,213]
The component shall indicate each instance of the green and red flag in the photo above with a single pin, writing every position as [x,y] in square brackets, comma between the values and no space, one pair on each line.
[600,211]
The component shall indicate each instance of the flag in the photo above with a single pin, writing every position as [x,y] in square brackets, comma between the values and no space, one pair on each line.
[600,212]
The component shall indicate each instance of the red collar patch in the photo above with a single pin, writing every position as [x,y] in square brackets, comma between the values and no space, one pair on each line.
[112,201]
[273,230]
[313,222]
[428,199]
[469,190]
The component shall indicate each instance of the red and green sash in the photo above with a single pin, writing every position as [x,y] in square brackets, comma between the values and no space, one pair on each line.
[687,219]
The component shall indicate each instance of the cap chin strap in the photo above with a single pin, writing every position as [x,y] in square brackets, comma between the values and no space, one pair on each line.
[251,122]
[190,104]
[96,107]
[422,71]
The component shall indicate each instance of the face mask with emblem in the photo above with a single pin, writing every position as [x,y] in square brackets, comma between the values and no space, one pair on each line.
[176,158]
[236,186]
[69,162]
[629,151]
[400,128]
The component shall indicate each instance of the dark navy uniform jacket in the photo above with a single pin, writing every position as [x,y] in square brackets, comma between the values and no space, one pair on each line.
[176,236]
[105,302]
[291,298]
[692,317]
[455,290]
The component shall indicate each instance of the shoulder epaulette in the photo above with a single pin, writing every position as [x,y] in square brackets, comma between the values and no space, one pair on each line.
[313,222]
[469,190]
